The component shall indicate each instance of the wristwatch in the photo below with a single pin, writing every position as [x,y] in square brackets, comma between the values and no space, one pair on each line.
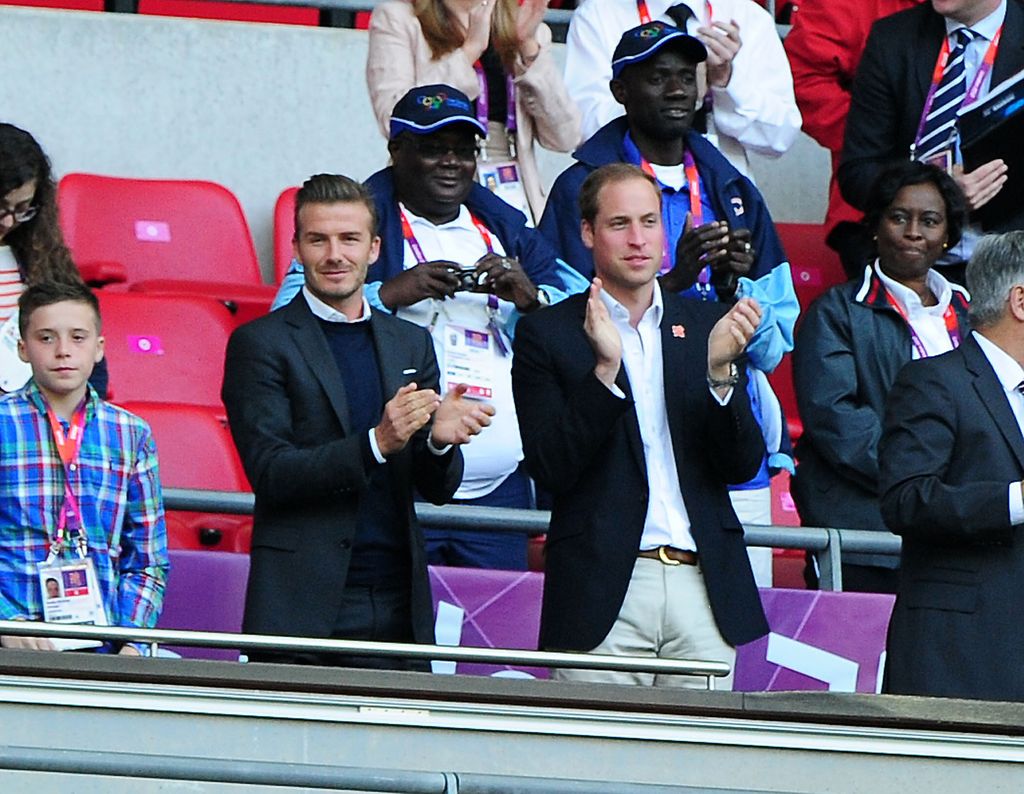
[732,380]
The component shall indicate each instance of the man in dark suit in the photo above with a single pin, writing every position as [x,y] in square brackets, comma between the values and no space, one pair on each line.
[888,104]
[635,416]
[952,460]
[335,412]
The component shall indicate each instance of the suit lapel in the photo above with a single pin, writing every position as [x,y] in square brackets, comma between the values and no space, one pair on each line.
[387,345]
[679,354]
[924,56]
[313,347]
[991,392]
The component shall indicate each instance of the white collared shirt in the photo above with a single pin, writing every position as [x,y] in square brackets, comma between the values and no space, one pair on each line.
[927,322]
[328,313]
[1010,374]
[667,522]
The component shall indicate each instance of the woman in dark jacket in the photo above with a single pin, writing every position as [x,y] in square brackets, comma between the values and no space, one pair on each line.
[854,340]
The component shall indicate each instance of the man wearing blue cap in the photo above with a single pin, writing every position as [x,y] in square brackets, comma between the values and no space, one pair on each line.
[720,243]
[462,263]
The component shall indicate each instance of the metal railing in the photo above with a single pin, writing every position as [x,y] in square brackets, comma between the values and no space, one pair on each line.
[827,544]
[153,638]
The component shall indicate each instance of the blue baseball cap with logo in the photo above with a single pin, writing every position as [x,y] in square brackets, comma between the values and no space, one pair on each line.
[640,43]
[428,108]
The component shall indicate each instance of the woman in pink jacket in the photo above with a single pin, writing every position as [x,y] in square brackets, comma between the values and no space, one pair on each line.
[499,54]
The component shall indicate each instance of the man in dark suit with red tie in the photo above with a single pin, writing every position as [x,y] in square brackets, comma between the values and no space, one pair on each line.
[634,415]
[952,461]
[918,68]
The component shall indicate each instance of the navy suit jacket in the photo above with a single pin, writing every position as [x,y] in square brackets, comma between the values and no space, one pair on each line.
[583,444]
[889,92]
[289,417]
[950,450]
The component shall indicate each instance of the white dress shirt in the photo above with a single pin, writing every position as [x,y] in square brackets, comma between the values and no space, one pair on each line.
[756,111]
[667,522]
[1010,375]
[927,322]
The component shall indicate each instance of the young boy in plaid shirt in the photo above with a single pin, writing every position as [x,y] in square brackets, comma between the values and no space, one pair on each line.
[82,534]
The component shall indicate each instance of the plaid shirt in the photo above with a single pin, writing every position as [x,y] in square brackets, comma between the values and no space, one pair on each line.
[118,490]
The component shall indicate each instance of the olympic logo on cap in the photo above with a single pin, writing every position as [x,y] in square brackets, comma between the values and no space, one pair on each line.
[433,102]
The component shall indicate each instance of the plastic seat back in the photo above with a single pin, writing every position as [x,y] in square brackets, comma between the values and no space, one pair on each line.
[238,12]
[158,229]
[165,348]
[284,231]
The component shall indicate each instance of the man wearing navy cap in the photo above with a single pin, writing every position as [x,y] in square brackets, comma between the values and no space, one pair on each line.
[459,261]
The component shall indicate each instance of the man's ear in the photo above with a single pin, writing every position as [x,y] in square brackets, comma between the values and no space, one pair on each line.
[374,250]
[100,342]
[587,233]
[618,89]
[22,353]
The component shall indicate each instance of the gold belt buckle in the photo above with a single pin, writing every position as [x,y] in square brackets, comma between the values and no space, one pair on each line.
[665,558]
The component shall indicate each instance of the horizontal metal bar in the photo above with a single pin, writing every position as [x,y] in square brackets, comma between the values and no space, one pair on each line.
[267,642]
[535,522]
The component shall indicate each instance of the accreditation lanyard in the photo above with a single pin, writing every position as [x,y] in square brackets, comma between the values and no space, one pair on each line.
[645,14]
[696,211]
[68,446]
[483,103]
[948,317]
[420,257]
[972,93]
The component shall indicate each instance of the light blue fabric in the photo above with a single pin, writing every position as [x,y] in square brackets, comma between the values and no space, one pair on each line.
[290,285]
[780,308]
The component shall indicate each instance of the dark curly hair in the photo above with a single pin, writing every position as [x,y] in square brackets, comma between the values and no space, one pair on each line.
[38,244]
[911,172]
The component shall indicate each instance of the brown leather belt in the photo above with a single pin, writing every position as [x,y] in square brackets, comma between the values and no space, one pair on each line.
[670,556]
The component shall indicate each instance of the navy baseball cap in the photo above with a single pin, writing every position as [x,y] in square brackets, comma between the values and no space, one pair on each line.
[428,108]
[640,43]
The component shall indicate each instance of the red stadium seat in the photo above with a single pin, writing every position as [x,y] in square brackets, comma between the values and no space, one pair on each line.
[163,236]
[67,5]
[284,231]
[239,12]
[816,267]
[165,348]
[196,451]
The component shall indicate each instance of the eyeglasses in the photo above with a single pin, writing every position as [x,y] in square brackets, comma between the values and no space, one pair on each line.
[20,214]
[435,151]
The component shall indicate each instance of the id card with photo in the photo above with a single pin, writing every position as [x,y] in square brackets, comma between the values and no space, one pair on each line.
[468,360]
[503,180]
[71,595]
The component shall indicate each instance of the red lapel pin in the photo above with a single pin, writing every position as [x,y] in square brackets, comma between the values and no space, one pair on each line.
[678,332]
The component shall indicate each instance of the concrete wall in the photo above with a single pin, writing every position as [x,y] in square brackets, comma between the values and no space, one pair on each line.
[254,107]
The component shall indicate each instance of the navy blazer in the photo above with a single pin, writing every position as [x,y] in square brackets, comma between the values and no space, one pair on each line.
[583,444]
[950,451]
[889,92]
[289,417]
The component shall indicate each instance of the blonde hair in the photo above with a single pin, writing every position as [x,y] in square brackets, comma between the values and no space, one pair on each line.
[444,33]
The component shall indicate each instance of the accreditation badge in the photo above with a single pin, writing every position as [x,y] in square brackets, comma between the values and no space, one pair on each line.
[71,595]
[943,160]
[468,360]
[502,178]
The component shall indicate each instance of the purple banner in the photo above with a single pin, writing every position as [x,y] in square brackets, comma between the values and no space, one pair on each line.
[818,641]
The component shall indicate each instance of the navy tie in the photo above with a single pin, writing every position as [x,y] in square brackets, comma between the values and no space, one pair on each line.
[680,14]
[940,123]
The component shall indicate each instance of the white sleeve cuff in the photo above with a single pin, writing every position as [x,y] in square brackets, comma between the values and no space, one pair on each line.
[375,449]
[1016,504]
[722,400]
[436,450]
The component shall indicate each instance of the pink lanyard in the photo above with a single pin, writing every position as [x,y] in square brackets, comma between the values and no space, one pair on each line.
[483,103]
[696,210]
[973,92]
[645,14]
[948,317]
[68,447]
